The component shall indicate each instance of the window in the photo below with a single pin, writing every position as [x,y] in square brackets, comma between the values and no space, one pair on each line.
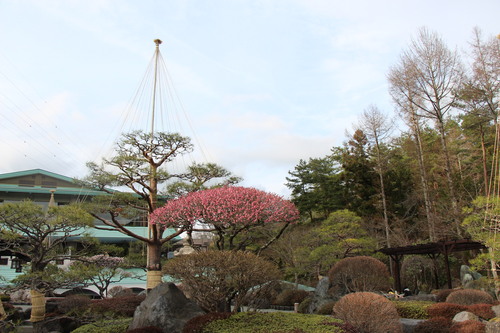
[4,261]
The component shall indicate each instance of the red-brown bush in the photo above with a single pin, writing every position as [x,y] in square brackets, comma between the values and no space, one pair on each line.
[434,325]
[446,310]
[196,324]
[469,297]
[368,313]
[468,326]
[118,306]
[361,273]
[483,311]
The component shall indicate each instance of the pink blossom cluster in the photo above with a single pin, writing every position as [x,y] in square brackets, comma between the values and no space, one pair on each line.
[226,206]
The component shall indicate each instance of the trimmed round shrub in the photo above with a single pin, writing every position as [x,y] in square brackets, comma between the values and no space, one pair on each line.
[483,311]
[434,325]
[469,297]
[413,309]
[445,310]
[361,273]
[73,304]
[304,305]
[368,313]
[290,297]
[116,307]
[198,323]
[442,294]
[326,309]
[468,326]
[147,329]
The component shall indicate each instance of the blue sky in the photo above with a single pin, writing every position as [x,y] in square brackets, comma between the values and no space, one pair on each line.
[262,84]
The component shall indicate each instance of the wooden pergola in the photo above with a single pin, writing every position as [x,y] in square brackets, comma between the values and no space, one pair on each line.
[433,250]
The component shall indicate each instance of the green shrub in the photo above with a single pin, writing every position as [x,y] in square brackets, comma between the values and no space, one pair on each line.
[368,312]
[434,325]
[147,329]
[304,305]
[290,297]
[116,307]
[326,309]
[469,297]
[196,324]
[106,326]
[468,326]
[274,322]
[446,310]
[413,309]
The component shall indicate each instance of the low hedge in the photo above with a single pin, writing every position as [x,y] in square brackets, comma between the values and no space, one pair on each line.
[413,309]
[274,322]
[106,326]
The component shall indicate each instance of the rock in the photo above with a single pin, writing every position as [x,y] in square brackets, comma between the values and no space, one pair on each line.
[321,295]
[465,315]
[409,325]
[496,309]
[467,275]
[492,327]
[166,307]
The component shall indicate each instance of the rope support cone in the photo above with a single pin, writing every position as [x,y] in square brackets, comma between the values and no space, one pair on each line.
[153,279]
[37,306]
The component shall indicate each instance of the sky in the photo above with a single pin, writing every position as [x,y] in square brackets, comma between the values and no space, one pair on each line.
[256,84]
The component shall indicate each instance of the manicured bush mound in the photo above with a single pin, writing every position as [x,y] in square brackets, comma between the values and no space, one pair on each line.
[274,322]
[290,297]
[434,325]
[468,326]
[368,313]
[361,273]
[469,297]
[106,326]
[483,311]
[147,329]
[304,305]
[413,309]
[326,309]
[117,307]
[446,310]
[73,304]
[198,323]
[442,294]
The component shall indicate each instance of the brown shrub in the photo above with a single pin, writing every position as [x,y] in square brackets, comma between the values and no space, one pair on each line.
[196,324]
[468,326]
[443,293]
[73,303]
[368,313]
[483,311]
[291,296]
[446,310]
[469,297]
[119,306]
[361,273]
[434,325]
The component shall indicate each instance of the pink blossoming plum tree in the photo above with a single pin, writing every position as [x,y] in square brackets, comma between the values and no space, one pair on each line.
[231,213]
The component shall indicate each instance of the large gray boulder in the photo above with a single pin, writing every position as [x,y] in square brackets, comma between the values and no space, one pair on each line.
[321,295]
[165,307]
